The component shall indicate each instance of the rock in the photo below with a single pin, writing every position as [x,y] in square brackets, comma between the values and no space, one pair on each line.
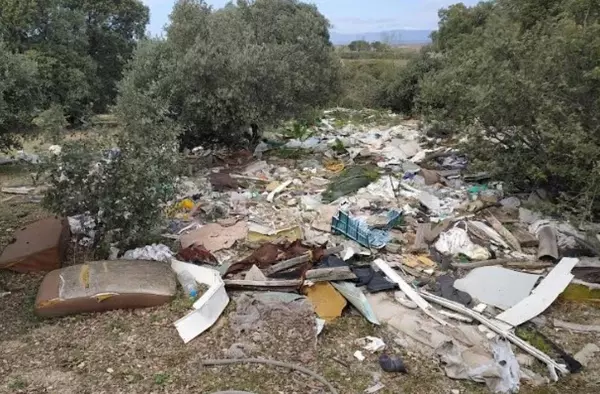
[585,355]
[292,202]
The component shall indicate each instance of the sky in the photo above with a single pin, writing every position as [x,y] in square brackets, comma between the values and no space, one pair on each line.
[347,16]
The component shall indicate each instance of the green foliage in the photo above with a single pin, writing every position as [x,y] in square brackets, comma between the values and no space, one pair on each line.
[220,72]
[52,121]
[123,189]
[359,46]
[520,79]
[19,96]
[80,47]
[363,82]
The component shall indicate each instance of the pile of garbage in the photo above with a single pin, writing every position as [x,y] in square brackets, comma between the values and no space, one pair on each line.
[362,217]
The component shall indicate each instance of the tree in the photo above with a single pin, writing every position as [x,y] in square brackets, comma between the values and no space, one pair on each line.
[520,79]
[19,95]
[80,46]
[250,64]
[379,46]
[359,46]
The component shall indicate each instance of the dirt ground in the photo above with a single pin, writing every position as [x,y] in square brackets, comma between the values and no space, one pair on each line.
[139,351]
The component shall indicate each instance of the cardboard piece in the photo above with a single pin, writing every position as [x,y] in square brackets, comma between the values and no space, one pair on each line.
[39,246]
[215,237]
[326,300]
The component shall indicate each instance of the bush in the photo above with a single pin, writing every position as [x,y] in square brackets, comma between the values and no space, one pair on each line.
[124,190]
[364,80]
[521,80]
[220,72]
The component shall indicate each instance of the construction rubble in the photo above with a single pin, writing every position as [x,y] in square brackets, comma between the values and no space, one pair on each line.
[353,216]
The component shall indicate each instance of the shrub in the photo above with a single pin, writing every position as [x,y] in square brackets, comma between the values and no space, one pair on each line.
[124,190]
[220,72]
[364,80]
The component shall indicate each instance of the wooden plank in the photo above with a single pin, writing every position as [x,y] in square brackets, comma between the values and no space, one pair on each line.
[279,285]
[576,327]
[508,262]
[525,238]
[420,245]
[503,231]
[543,296]
[330,274]
[296,261]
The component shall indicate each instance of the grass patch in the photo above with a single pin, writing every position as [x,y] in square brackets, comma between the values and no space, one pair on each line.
[17,383]
[161,379]
[534,339]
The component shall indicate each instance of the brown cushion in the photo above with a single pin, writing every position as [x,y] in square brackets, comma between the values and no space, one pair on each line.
[105,285]
[39,246]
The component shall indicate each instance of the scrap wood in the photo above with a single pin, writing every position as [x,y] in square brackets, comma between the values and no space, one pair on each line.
[330,274]
[278,190]
[408,290]
[504,232]
[296,261]
[583,328]
[543,295]
[278,285]
[423,229]
[269,254]
[525,238]
[508,262]
[553,366]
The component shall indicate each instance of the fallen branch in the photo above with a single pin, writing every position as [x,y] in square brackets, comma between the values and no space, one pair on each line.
[296,261]
[553,366]
[576,327]
[276,364]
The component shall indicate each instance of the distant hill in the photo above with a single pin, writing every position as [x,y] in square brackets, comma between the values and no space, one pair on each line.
[394,37]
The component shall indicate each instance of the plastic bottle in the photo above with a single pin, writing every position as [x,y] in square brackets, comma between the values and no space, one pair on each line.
[188,283]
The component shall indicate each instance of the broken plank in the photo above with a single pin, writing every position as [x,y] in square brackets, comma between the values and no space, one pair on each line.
[583,328]
[543,295]
[503,231]
[525,238]
[330,274]
[420,245]
[507,262]
[296,261]
[279,285]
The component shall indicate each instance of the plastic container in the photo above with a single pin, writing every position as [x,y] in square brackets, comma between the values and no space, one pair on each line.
[188,283]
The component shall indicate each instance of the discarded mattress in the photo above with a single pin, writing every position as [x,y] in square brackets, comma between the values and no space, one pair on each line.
[105,285]
[39,246]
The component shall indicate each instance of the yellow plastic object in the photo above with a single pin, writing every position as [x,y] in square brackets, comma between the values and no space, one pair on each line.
[334,166]
[186,204]
[326,300]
